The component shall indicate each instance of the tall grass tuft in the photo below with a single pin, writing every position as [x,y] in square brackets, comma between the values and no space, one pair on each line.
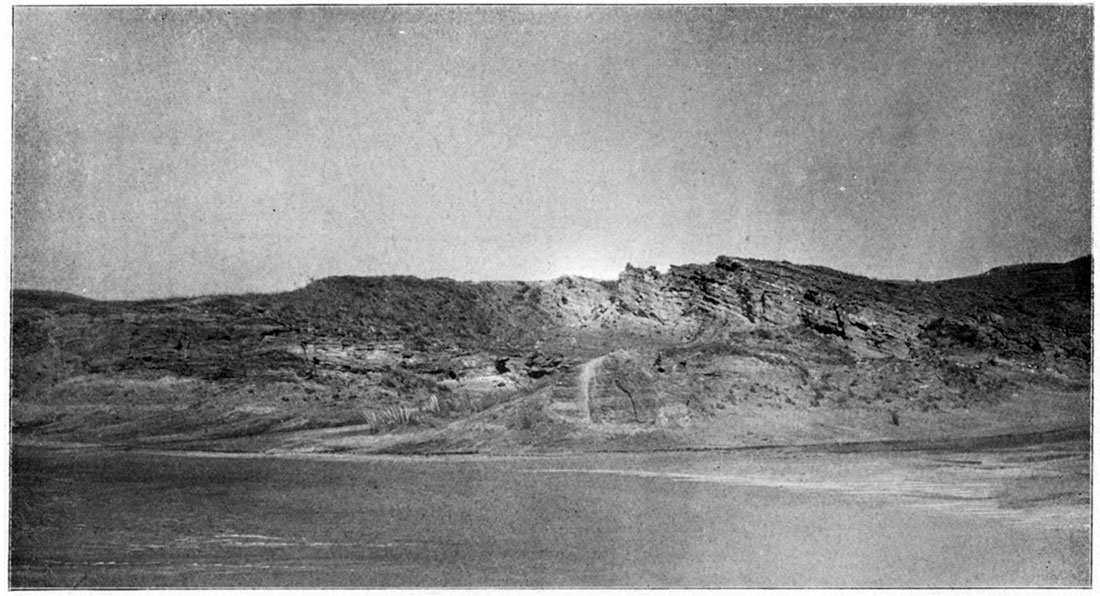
[397,416]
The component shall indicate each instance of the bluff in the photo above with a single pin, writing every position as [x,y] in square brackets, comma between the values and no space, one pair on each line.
[736,352]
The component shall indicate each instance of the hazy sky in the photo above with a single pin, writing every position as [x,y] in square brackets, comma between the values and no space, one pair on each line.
[182,151]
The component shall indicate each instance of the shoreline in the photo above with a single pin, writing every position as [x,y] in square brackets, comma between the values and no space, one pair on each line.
[1078,432]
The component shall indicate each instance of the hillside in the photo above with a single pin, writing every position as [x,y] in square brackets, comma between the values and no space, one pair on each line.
[737,352]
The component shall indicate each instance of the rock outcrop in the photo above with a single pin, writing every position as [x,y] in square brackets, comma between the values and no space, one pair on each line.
[623,390]
[698,347]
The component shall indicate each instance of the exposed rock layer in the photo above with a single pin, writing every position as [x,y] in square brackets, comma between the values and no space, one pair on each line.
[681,357]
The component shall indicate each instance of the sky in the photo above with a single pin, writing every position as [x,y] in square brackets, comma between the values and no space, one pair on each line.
[179,151]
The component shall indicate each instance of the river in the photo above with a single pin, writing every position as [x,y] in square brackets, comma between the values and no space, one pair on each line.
[98,518]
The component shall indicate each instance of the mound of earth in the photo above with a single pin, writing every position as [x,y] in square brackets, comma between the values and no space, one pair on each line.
[737,352]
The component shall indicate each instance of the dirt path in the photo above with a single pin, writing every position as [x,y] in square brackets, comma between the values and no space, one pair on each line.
[584,385]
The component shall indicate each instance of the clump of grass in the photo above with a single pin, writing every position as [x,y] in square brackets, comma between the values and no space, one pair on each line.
[389,418]
[398,416]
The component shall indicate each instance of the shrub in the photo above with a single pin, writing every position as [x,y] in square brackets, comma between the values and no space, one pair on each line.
[397,416]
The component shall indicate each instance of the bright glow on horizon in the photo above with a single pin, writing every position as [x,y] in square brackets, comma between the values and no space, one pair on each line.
[186,150]
[583,264]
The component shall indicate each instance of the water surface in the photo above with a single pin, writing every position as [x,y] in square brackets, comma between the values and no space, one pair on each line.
[94,518]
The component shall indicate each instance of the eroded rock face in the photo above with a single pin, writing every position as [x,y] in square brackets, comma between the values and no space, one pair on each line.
[947,331]
[648,299]
[648,350]
[623,390]
[539,365]
[577,301]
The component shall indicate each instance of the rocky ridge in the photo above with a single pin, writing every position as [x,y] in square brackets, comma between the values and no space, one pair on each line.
[724,354]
